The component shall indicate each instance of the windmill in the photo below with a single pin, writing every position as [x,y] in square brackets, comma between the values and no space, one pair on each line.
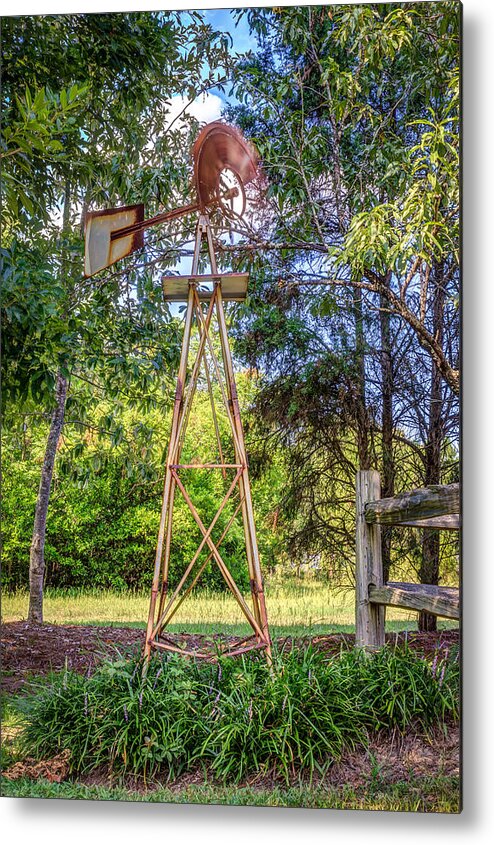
[223,164]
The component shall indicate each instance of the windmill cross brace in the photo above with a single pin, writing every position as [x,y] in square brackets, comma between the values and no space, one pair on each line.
[161,612]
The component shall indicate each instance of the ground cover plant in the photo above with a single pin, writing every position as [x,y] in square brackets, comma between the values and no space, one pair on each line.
[414,769]
[236,719]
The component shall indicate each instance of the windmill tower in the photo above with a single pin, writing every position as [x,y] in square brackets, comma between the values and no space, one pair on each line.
[223,164]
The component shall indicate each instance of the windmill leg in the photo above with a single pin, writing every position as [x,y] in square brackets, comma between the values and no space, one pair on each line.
[179,422]
[166,510]
[166,553]
[257,588]
[239,451]
[174,453]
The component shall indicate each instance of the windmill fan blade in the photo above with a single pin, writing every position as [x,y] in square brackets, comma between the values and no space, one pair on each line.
[100,250]
[220,147]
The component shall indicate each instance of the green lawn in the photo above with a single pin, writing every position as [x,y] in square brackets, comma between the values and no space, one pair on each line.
[426,795]
[293,609]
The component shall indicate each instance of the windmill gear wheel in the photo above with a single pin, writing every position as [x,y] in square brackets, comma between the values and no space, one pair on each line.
[219,148]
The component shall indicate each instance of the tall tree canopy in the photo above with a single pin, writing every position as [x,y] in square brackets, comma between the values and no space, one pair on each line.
[354,324]
[86,102]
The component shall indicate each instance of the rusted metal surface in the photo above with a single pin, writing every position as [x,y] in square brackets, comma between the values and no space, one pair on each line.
[220,364]
[211,656]
[206,539]
[219,560]
[220,156]
[233,285]
[199,465]
[220,147]
[165,618]
[168,216]
[161,563]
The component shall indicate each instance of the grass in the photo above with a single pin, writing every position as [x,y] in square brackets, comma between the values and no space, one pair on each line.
[11,729]
[423,795]
[294,609]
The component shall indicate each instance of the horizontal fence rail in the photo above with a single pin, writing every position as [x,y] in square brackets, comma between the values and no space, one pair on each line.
[437,506]
[441,601]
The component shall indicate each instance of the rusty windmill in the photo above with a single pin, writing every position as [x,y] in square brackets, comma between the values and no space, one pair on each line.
[223,164]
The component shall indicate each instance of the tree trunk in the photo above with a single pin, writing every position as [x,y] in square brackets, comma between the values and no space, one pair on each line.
[429,574]
[361,413]
[429,568]
[37,552]
[388,467]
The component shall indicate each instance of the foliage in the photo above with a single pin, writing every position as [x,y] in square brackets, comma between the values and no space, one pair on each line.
[236,717]
[354,324]
[115,66]
[122,70]
[113,77]
[107,490]
[36,132]
[106,498]
[353,258]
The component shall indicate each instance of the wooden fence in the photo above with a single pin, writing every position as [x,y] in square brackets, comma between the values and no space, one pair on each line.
[438,507]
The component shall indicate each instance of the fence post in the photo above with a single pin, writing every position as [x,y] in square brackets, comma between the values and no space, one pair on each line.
[369,618]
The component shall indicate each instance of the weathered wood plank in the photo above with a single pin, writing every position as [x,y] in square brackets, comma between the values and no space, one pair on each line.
[369,618]
[424,503]
[448,522]
[441,601]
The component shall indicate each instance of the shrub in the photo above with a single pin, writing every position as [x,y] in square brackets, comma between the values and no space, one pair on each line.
[235,717]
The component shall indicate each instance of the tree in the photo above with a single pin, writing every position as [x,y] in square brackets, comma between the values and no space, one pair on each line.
[354,110]
[119,72]
[107,488]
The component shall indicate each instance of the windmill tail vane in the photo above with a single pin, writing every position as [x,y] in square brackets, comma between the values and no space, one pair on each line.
[218,150]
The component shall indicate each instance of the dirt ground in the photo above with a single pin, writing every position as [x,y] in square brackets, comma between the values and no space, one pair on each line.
[31,650]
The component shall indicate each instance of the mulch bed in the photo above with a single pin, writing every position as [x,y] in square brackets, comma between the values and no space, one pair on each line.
[389,758]
[29,650]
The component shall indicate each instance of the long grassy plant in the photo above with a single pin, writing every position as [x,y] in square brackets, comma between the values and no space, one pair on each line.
[236,718]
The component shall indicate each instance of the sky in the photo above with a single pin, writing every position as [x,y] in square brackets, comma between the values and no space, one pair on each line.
[207,108]
[222,19]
